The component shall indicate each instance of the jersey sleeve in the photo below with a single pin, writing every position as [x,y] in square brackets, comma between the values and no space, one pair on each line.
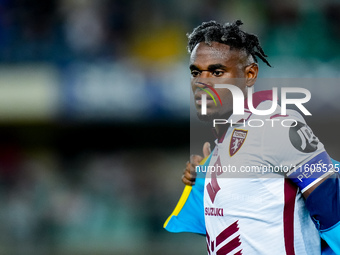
[291,144]
[303,156]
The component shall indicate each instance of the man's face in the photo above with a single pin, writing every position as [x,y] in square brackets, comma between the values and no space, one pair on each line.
[217,64]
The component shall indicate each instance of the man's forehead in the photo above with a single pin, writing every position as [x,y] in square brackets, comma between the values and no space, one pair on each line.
[213,51]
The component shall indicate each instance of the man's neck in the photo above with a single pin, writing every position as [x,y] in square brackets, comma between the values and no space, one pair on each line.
[220,130]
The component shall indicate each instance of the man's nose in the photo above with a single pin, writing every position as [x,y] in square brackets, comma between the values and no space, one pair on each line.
[203,85]
[200,84]
[205,74]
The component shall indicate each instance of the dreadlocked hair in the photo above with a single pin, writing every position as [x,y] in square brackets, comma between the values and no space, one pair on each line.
[230,34]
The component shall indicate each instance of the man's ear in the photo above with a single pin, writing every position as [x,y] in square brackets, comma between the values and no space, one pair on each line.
[251,72]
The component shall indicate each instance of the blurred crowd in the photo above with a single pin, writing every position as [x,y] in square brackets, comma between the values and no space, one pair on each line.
[67,30]
[93,202]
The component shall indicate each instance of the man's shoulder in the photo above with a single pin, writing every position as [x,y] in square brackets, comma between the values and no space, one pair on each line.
[290,113]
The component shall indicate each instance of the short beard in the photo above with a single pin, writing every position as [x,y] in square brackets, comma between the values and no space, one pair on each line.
[208,118]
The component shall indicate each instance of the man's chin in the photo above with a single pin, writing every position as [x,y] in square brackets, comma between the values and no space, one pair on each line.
[208,117]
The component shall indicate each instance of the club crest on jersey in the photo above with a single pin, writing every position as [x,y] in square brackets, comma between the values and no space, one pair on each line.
[237,139]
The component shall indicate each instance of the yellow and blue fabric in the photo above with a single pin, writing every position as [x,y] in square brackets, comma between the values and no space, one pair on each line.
[188,215]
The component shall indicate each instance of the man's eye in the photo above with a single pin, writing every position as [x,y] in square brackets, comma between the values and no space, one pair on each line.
[218,73]
[195,73]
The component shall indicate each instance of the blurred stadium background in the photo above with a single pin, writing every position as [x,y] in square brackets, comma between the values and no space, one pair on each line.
[94,113]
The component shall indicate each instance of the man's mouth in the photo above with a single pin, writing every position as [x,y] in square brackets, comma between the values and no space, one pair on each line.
[199,100]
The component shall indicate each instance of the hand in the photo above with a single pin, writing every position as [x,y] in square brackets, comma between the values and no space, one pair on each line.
[189,174]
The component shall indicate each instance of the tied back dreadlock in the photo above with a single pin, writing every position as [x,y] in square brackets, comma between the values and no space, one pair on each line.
[229,34]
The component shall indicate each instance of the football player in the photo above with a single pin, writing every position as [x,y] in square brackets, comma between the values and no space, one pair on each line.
[282,193]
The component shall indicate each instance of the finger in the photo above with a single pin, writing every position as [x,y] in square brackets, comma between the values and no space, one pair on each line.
[190,174]
[186,181]
[206,149]
[195,159]
[189,168]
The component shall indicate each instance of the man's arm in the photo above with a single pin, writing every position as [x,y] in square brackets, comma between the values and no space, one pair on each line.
[312,170]
[323,204]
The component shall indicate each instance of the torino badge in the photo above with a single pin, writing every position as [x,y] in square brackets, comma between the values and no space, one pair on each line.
[237,139]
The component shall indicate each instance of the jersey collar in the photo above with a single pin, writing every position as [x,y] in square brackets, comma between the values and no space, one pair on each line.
[258,98]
